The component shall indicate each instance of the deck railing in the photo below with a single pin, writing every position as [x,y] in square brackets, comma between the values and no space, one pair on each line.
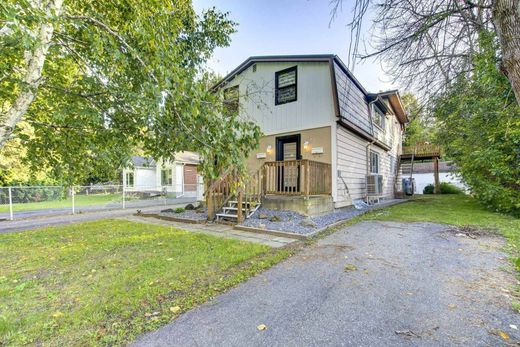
[422,150]
[297,177]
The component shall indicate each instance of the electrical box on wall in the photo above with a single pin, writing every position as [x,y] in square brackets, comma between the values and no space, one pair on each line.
[317,150]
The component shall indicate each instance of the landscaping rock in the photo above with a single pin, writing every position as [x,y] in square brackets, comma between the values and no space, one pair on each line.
[275,219]
[307,222]
[189,207]
[262,216]
[261,226]
[168,210]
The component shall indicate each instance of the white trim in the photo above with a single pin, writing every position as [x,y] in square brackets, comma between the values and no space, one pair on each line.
[334,162]
[293,130]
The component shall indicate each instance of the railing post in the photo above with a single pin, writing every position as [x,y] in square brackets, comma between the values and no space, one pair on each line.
[209,200]
[240,215]
[72,197]
[10,203]
[307,178]
[124,202]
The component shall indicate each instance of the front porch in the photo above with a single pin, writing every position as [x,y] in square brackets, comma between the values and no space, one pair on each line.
[302,185]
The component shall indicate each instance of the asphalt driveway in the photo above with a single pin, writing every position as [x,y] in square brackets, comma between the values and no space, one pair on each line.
[371,284]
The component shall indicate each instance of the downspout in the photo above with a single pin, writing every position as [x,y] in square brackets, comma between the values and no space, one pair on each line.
[367,147]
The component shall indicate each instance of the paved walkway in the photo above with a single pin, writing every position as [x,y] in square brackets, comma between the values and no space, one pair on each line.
[219,230]
[370,284]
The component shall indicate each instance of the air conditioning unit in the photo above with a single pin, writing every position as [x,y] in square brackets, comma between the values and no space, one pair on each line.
[374,185]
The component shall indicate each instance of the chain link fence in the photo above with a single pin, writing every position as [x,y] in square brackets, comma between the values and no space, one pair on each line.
[18,202]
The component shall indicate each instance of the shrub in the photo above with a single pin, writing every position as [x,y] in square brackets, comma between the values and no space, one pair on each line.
[448,188]
[429,189]
[179,210]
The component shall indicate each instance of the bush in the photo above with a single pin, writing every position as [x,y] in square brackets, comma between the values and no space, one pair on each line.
[179,210]
[448,188]
[429,189]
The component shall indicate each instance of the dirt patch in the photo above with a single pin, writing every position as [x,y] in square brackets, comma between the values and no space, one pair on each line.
[471,231]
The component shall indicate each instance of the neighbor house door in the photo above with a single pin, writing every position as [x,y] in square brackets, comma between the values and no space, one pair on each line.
[190,178]
[288,149]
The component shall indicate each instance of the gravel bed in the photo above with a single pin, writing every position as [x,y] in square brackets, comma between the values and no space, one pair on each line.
[196,215]
[293,222]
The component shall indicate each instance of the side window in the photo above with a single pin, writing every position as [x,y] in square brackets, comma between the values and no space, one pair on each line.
[129,179]
[374,162]
[231,100]
[286,86]
[379,117]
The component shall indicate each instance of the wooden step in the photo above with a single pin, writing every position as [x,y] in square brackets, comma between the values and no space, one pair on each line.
[226,215]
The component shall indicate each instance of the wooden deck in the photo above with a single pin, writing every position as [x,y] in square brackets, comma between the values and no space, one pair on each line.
[424,151]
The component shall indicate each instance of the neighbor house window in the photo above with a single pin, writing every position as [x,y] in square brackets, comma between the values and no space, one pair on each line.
[166,177]
[379,117]
[285,86]
[129,179]
[374,163]
[231,100]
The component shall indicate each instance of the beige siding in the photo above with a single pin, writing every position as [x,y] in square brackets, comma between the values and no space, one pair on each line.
[314,106]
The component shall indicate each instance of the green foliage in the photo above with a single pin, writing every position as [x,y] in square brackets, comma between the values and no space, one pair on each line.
[421,126]
[429,189]
[179,210]
[448,188]
[121,75]
[480,130]
[103,283]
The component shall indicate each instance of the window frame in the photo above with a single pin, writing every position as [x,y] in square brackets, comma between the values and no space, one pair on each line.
[375,155]
[276,88]
[127,175]
[229,103]
[169,178]
[381,116]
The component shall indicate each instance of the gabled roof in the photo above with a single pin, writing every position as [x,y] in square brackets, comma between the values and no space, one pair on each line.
[140,161]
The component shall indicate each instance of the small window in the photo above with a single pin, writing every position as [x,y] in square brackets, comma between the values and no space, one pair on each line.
[374,162]
[166,177]
[379,117]
[129,179]
[285,86]
[231,100]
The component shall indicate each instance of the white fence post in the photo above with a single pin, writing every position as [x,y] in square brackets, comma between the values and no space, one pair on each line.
[124,204]
[10,204]
[72,195]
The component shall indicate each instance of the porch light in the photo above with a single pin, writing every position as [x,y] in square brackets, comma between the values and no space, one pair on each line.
[306,145]
[269,149]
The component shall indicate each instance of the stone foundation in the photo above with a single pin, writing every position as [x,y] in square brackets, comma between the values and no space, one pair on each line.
[309,206]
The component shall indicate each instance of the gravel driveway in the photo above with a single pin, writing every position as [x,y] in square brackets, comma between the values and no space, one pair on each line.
[406,284]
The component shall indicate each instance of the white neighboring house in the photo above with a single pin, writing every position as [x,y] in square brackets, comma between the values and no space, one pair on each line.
[179,177]
[423,174]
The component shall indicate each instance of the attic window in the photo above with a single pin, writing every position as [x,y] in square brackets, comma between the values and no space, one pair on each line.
[231,101]
[286,86]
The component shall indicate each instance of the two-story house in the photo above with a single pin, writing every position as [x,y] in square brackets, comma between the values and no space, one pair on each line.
[326,140]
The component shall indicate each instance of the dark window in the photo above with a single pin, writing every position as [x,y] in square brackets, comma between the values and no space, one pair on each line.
[231,100]
[286,86]
[379,117]
[374,163]
[129,179]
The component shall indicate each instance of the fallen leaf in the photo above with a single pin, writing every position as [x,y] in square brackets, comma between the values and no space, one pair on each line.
[503,335]
[452,306]
[261,327]
[175,309]
[512,326]
[350,267]
[57,314]
[169,259]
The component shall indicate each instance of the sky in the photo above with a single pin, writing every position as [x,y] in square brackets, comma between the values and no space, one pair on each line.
[278,27]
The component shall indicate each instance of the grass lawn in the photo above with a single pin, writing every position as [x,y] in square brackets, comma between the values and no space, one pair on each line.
[105,282]
[79,200]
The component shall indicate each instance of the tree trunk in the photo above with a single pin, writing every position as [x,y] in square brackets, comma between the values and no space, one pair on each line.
[33,74]
[506,17]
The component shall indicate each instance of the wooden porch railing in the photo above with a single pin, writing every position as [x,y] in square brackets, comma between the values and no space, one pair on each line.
[297,177]
[422,150]
[288,177]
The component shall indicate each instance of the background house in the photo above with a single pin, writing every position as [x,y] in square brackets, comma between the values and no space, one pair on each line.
[179,177]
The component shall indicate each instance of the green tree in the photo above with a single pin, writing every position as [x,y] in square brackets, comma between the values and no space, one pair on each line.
[96,79]
[479,123]
[421,127]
